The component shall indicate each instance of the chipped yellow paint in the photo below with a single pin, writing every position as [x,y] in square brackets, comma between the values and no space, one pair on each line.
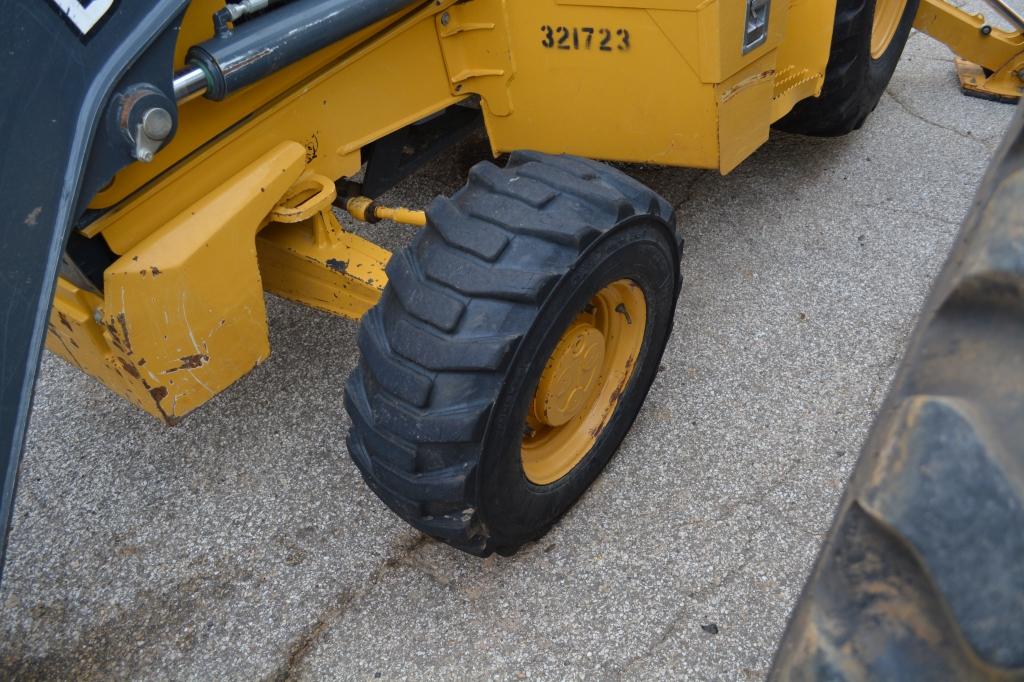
[747,82]
[74,335]
[182,314]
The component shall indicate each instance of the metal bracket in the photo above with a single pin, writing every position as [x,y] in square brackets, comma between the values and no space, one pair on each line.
[306,256]
[475,44]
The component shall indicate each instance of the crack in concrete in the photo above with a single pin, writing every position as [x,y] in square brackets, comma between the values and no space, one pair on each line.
[307,641]
[681,614]
[897,208]
[983,141]
[756,498]
[690,191]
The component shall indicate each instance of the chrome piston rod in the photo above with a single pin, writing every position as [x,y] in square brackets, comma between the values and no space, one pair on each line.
[278,38]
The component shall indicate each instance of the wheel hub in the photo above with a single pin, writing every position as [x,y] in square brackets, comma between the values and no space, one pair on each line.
[582,381]
[571,375]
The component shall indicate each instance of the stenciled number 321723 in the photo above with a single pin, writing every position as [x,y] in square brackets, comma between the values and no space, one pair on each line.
[584,38]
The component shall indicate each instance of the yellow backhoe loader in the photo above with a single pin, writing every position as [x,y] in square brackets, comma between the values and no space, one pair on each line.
[165,164]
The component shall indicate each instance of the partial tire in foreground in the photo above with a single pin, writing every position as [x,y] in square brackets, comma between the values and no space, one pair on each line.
[868,38]
[922,574]
[512,348]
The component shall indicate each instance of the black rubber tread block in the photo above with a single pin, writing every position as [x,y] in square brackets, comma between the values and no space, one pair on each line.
[413,341]
[994,273]
[397,453]
[403,506]
[872,616]
[613,204]
[473,278]
[634,191]
[478,237]
[456,423]
[506,213]
[421,299]
[395,373]
[533,194]
[944,493]
[439,485]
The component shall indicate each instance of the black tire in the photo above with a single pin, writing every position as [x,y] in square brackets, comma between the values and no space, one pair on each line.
[854,80]
[473,308]
[922,574]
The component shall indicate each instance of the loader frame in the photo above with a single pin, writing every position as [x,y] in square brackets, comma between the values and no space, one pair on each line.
[168,311]
[204,229]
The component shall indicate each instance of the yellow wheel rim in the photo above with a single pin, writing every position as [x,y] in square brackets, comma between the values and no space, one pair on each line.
[887,19]
[582,381]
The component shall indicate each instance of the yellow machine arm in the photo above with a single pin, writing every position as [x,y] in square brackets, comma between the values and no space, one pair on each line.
[989,60]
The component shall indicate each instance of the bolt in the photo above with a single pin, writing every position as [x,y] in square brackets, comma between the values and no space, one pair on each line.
[157,123]
[445,19]
[986,29]
[145,156]
[97,315]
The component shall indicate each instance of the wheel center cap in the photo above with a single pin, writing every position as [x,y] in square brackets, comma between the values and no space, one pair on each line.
[571,375]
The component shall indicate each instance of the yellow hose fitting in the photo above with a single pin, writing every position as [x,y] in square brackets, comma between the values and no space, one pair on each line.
[367,210]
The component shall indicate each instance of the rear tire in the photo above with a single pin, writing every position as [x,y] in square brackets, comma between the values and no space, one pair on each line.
[865,51]
[922,574]
[475,307]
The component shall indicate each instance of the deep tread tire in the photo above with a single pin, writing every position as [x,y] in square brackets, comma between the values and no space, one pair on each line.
[854,80]
[469,310]
[922,574]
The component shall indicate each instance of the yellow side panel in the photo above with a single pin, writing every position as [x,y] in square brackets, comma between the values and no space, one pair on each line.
[721,33]
[632,80]
[744,103]
[604,82]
